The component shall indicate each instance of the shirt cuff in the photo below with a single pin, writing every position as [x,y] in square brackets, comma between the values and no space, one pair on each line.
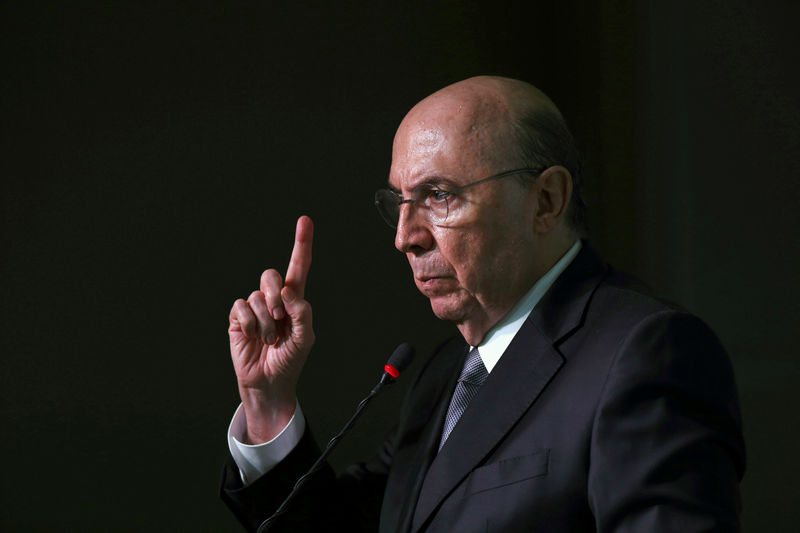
[255,460]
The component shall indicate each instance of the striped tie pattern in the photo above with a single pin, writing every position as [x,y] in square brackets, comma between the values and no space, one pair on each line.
[472,377]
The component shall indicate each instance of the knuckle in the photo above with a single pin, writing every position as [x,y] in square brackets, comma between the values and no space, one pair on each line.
[274,297]
[273,290]
[240,309]
[247,324]
[270,275]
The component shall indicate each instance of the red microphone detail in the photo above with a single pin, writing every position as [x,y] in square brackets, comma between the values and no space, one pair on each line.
[392,371]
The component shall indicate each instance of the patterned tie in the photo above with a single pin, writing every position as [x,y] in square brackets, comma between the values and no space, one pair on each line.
[472,377]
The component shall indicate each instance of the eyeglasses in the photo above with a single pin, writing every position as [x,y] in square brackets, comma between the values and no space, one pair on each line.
[435,205]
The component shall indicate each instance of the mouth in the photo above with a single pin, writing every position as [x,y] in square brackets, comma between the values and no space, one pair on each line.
[433,284]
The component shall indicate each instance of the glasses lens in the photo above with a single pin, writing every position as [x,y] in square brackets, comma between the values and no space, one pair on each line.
[388,205]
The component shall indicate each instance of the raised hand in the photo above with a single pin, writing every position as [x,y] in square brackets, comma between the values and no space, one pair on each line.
[271,336]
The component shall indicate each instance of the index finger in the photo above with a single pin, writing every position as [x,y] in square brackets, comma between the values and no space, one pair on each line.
[300,262]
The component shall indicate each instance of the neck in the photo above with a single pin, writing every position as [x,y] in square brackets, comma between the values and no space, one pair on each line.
[474,331]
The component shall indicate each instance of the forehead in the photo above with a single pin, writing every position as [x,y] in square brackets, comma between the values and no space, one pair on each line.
[450,141]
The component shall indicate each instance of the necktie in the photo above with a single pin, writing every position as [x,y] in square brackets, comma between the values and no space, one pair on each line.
[472,377]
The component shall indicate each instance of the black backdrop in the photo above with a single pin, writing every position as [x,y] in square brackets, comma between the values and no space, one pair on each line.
[156,156]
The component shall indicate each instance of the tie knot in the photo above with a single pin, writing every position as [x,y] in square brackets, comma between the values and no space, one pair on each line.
[474,370]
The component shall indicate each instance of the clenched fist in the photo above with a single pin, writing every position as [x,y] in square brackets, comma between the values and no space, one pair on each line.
[271,336]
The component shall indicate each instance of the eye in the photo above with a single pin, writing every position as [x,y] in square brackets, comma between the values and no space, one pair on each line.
[432,194]
[439,195]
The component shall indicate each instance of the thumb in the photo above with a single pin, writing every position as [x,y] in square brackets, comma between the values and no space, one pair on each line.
[299,312]
[298,309]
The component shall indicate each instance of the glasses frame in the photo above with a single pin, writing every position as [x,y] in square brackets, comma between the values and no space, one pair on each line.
[444,195]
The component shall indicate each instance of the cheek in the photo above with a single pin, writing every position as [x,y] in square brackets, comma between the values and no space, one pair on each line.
[469,259]
[452,250]
[490,264]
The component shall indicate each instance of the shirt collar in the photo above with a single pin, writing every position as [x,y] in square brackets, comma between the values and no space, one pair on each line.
[500,336]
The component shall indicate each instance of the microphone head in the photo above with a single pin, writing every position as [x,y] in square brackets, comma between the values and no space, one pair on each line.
[400,359]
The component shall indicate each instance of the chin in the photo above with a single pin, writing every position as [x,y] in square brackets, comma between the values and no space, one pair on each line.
[449,308]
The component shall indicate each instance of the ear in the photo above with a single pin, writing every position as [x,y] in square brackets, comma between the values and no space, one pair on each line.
[555,190]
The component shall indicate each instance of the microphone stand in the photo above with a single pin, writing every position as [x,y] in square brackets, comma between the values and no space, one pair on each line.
[265,526]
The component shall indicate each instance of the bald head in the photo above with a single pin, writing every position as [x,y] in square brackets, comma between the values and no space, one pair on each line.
[500,122]
[504,97]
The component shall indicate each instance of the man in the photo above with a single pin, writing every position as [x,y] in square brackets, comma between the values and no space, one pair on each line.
[572,401]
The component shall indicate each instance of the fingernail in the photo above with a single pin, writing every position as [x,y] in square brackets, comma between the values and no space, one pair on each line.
[277,313]
[287,294]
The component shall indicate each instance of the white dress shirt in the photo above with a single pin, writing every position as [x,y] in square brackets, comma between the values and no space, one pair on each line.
[255,460]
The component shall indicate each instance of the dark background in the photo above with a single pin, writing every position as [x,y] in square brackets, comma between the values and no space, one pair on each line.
[155,158]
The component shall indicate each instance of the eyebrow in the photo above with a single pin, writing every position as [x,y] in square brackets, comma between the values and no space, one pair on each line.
[432,181]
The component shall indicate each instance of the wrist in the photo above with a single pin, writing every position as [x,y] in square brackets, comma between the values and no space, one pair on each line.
[266,414]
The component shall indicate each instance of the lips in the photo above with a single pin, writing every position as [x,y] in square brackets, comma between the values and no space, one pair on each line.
[432,277]
[429,284]
[428,277]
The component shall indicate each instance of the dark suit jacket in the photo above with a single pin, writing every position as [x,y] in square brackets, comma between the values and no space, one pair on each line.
[609,411]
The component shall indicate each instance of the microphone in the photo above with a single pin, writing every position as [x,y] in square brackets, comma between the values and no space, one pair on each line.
[397,363]
[399,360]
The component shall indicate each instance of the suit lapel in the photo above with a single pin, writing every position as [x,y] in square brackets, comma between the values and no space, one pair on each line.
[519,377]
[529,363]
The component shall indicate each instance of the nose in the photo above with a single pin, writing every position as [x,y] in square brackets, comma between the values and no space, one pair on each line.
[413,234]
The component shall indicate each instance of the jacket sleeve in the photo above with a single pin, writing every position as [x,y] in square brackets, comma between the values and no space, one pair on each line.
[667,452]
[350,502]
